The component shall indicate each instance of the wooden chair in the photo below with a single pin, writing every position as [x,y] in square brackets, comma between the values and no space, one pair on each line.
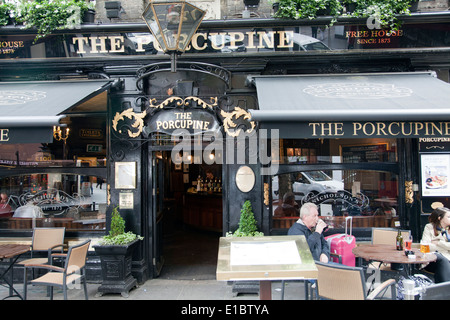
[339,282]
[73,271]
[387,236]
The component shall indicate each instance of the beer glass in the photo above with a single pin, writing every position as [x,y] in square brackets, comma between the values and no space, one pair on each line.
[408,244]
[424,247]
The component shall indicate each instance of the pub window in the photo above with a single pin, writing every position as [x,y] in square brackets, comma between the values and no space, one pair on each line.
[61,183]
[76,202]
[322,172]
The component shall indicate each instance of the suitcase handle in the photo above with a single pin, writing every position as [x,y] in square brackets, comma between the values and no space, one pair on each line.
[351,223]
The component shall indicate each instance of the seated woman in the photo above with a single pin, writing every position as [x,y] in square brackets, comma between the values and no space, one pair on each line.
[436,234]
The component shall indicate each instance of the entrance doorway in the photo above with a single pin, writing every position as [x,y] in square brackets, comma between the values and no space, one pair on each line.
[187,211]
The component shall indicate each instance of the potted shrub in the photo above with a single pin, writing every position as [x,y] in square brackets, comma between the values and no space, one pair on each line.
[247,223]
[115,251]
[247,228]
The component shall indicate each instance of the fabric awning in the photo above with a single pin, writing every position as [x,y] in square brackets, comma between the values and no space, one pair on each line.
[29,110]
[383,97]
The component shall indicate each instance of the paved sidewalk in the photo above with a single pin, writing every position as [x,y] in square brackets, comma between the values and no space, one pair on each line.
[162,289]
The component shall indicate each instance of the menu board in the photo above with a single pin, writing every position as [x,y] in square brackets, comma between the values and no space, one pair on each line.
[435,174]
[264,253]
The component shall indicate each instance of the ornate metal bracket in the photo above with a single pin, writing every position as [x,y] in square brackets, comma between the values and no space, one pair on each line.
[206,68]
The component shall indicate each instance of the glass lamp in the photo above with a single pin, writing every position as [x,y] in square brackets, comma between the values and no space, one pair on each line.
[173,24]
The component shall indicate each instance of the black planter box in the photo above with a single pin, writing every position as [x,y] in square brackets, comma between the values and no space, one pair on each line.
[116,268]
[251,3]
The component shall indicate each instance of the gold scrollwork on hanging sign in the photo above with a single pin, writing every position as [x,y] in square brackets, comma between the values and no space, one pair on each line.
[184,102]
[409,193]
[130,114]
[230,126]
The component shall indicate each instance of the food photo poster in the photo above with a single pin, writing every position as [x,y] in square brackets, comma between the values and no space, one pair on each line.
[435,175]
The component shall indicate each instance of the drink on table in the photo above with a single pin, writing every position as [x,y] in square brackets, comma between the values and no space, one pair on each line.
[408,243]
[424,247]
[399,241]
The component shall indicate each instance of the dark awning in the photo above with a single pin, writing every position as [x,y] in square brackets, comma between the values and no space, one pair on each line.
[389,98]
[29,110]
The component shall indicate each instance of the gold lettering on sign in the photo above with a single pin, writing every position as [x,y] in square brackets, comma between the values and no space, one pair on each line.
[8,47]
[327,129]
[183,120]
[4,135]
[253,40]
[380,129]
[116,43]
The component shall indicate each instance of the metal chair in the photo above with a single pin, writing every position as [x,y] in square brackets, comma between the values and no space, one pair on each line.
[439,291]
[73,271]
[44,241]
[339,282]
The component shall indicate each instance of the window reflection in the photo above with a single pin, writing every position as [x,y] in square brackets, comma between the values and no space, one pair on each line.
[369,196]
[76,202]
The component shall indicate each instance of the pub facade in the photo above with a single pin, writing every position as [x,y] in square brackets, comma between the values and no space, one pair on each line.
[356,120]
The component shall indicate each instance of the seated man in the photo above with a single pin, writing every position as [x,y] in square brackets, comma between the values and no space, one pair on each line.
[289,208]
[312,227]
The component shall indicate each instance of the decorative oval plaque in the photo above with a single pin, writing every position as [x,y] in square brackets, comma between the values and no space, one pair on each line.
[245,178]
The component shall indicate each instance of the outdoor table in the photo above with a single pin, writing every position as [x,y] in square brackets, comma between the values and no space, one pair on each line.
[11,252]
[265,259]
[389,254]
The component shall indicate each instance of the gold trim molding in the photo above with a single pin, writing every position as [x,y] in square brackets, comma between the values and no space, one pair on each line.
[230,126]
[184,102]
[409,193]
[229,118]
[130,114]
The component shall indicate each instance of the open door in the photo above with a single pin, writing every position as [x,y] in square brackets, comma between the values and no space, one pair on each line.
[158,209]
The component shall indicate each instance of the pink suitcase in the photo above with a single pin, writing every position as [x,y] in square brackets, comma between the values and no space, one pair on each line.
[343,244]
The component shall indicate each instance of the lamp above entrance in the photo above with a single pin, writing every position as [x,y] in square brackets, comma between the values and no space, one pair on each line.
[173,24]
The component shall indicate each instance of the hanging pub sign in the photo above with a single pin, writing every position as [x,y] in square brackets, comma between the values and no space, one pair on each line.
[194,121]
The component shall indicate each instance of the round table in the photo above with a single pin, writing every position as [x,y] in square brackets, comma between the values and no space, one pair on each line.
[389,254]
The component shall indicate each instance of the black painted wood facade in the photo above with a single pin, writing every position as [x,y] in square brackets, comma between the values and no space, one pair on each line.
[134,88]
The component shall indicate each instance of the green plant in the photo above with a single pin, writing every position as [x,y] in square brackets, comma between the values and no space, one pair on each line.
[5,13]
[247,223]
[117,234]
[307,9]
[381,13]
[50,15]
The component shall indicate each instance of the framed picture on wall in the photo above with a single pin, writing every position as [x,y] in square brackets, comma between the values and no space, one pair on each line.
[125,175]
[435,174]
